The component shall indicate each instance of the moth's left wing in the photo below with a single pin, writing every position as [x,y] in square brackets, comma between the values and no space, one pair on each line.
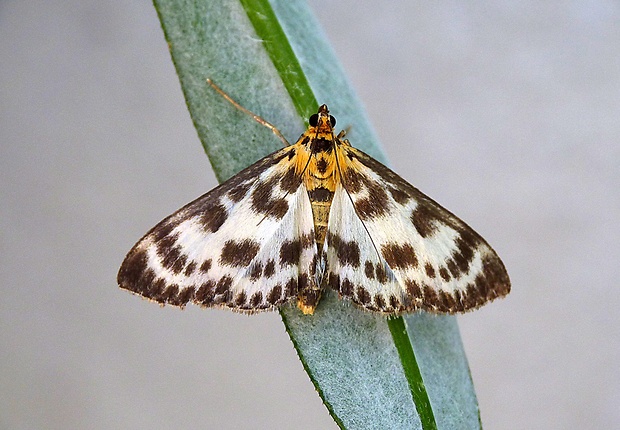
[392,249]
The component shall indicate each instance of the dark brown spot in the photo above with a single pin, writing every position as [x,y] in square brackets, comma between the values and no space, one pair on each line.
[447,301]
[239,253]
[363,296]
[465,245]
[270,269]
[424,218]
[394,302]
[453,268]
[399,256]
[213,218]
[205,293]
[256,271]
[321,165]
[291,287]
[169,295]
[185,296]
[171,257]
[223,285]
[179,264]
[413,289]
[380,301]
[239,192]
[291,154]
[430,296]
[352,180]
[321,145]
[346,288]
[333,281]
[347,252]
[374,205]
[263,203]
[381,273]
[275,295]
[320,194]
[430,270]
[205,266]
[290,181]
[307,240]
[290,252]
[369,270]
[162,230]
[443,272]
[399,195]
[191,267]
[167,243]
[131,274]
[241,298]
[303,282]
[257,298]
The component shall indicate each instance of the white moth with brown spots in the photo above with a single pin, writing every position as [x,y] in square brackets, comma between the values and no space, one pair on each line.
[317,214]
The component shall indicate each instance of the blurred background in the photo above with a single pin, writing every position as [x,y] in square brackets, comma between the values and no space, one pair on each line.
[507,113]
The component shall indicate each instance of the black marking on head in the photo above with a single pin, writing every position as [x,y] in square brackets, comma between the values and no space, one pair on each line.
[256,271]
[205,266]
[369,269]
[275,295]
[346,252]
[191,267]
[291,154]
[399,256]
[430,270]
[270,269]
[239,253]
[213,218]
[257,299]
[290,251]
[374,205]
[381,273]
[445,275]
[290,181]
[363,296]
[205,293]
[321,194]
[321,145]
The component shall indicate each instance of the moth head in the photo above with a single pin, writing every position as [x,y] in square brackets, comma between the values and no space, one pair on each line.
[322,120]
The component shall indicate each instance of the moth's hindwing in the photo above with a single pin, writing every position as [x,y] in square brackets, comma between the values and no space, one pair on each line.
[245,245]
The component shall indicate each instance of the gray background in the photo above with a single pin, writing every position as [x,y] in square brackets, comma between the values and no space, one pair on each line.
[505,112]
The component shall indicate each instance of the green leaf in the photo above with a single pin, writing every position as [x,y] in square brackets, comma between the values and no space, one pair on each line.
[273,58]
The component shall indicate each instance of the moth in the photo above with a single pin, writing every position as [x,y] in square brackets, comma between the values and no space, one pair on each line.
[318,214]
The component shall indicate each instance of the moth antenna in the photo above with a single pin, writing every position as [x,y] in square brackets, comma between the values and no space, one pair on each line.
[256,118]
